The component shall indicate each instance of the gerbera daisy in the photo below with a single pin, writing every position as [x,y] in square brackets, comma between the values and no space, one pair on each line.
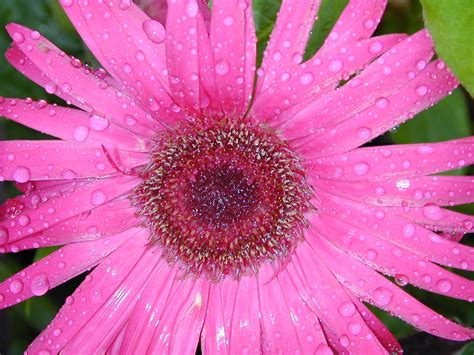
[245,217]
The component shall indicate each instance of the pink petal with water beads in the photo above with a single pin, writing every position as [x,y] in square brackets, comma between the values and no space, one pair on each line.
[362,91]
[110,282]
[57,268]
[233,43]
[379,291]
[68,76]
[189,58]
[71,124]
[108,219]
[137,58]
[395,161]
[391,259]
[23,161]
[287,43]
[20,221]
[430,86]
[411,192]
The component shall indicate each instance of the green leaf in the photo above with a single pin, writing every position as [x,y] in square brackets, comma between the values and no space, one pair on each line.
[265,14]
[451,23]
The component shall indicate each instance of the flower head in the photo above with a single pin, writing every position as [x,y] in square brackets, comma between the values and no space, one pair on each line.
[226,204]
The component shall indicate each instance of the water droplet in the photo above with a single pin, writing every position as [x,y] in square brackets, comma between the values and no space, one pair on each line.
[409,230]
[355,328]
[421,90]
[382,296]
[51,88]
[433,212]
[80,133]
[57,332]
[306,78]
[425,149]
[16,286]
[21,174]
[98,197]
[375,47]
[66,3]
[421,64]
[323,349]
[154,31]
[40,285]
[347,309]
[23,220]
[368,24]
[98,123]
[229,20]
[371,254]
[192,8]
[344,340]
[335,65]
[222,67]
[3,235]
[125,4]
[35,35]
[381,102]
[401,279]
[444,285]
[18,37]
[361,168]
[364,132]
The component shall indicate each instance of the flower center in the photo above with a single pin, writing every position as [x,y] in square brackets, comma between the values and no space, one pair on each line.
[223,197]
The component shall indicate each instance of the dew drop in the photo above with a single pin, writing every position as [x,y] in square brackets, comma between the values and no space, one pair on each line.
[401,279]
[433,212]
[50,88]
[355,328]
[444,285]
[364,132]
[125,4]
[66,3]
[323,349]
[18,37]
[192,8]
[98,123]
[229,20]
[421,90]
[382,296]
[40,285]
[21,174]
[98,197]
[16,286]
[361,168]
[335,65]
[347,309]
[375,47]
[344,340]
[306,79]
[81,133]
[409,230]
[154,31]
[3,235]
[222,67]
[381,102]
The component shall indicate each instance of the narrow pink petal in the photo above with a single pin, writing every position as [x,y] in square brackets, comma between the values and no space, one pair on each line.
[138,56]
[384,335]
[57,268]
[358,20]
[233,325]
[376,289]
[289,325]
[326,293]
[319,76]
[180,325]
[68,76]
[234,45]
[399,230]
[70,124]
[110,281]
[105,220]
[288,41]
[412,192]
[429,87]
[24,161]
[391,259]
[404,61]
[395,161]
[20,220]
[189,58]
[158,9]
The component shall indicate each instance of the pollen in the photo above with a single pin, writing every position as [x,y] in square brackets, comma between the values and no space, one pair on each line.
[222,198]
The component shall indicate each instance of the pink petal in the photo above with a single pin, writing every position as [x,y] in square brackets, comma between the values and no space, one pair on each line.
[395,161]
[358,20]
[319,76]
[68,76]
[399,230]
[429,87]
[20,220]
[23,161]
[413,192]
[329,299]
[288,41]
[181,322]
[189,58]
[288,323]
[233,325]
[138,57]
[115,277]
[57,268]
[376,289]
[404,61]
[234,45]
[69,124]
[105,220]
[389,258]
[158,9]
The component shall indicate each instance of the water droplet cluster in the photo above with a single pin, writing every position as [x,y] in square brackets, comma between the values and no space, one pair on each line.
[222,197]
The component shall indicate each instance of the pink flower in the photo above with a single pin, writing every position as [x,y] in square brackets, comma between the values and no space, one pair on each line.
[245,217]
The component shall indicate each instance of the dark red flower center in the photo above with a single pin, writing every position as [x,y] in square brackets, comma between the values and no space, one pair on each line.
[222,198]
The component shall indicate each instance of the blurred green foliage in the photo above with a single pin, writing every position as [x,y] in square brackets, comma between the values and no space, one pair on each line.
[449,119]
